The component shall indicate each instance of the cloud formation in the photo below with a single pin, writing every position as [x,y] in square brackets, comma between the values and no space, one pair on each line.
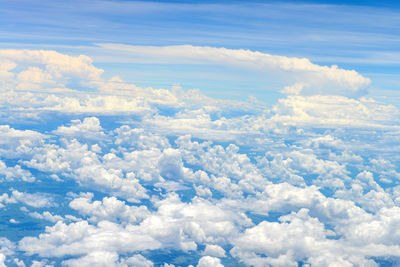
[306,77]
[125,176]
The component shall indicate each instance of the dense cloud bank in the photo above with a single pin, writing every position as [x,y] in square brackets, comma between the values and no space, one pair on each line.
[117,175]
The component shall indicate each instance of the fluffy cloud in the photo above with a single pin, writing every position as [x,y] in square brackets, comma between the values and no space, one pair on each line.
[15,173]
[78,162]
[2,259]
[184,225]
[139,138]
[46,216]
[307,78]
[110,209]
[313,179]
[214,250]
[96,258]
[18,143]
[36,200]
[334,111]
[6,246]
[209,261]
[298,237]
[81,238]
[7,249]
[104,258]
[46,70]
[4,199]
[88,128]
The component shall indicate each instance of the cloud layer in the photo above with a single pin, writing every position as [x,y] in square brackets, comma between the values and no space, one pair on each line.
[119,175]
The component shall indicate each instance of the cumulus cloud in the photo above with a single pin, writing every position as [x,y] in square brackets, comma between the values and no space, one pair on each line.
[15,173]
[214,250]
[137,260]
[18,143]
[81,238]
[139,138]
[32,104]
[184,225]
[105,258]
[88,128]
[307,78]
[2,259]
[46,70]
[7,250]
[96,258]
[313,179]
[6,246]
[87,170]
[334,111]
[46,216]
[209,261]
[298,237]
[5,199]
[36,200]
[110,209]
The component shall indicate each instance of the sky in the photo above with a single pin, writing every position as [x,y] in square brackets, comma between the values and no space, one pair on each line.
[347,34]
[199,133]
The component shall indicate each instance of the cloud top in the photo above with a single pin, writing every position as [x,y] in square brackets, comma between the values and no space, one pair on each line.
[300,74]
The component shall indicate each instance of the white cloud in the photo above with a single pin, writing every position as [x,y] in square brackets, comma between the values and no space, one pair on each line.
[140,164]
[284,197]
[333,111]
[47,70]
[214,251]
[139,138]
[18,143]
[13,221]
[291,166]
[76,161]
[89,128]
[136,260]
[198,123]
[224,163]
[15,173]
[96,258]
[208,261]
[105,259]
[2,260]
[46,216]
[7,249]
[110,209]
[5,67]
[297,237]
[314,79]
[5,199]
[184,225]
[36,200]
[81,238]
[319,162]
[51,81]
[6,246]
[111,180]
[74,103]
[42,263]
[19,263]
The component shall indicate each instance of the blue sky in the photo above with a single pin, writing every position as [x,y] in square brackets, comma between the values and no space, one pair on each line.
[356,35]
